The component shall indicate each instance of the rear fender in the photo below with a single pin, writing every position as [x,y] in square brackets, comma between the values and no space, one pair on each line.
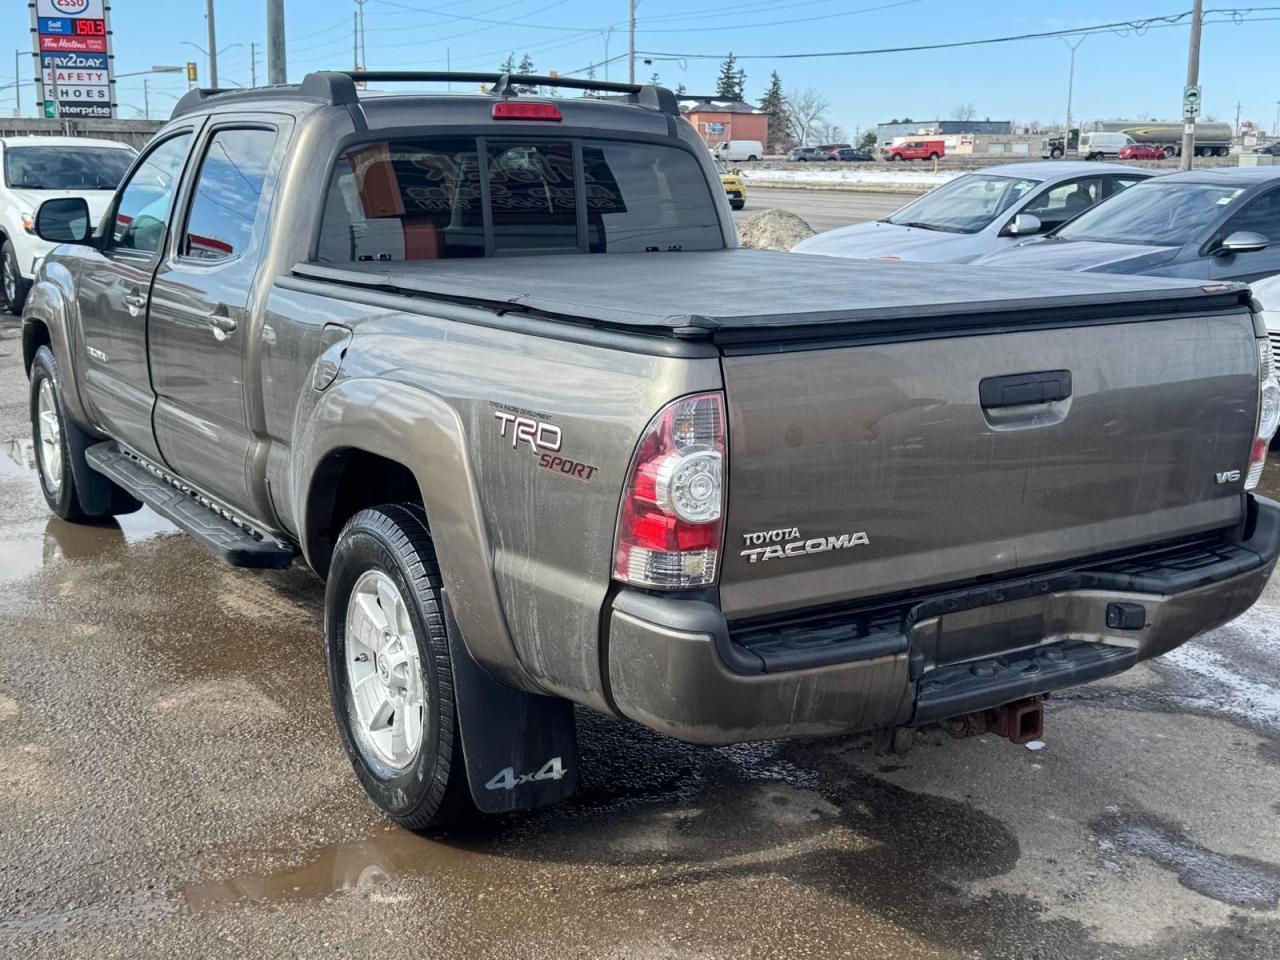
[416,428]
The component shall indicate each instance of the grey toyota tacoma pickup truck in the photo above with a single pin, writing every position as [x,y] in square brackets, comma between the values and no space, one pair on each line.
[494,367]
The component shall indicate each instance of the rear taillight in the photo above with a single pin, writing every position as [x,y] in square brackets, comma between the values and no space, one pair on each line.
[1268,412]
[672,517]
[525,110]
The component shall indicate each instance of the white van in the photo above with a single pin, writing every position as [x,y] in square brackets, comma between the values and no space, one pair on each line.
[1096,145]
[736,150]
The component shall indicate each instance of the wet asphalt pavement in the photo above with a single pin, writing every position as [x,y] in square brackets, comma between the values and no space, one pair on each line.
[171,785]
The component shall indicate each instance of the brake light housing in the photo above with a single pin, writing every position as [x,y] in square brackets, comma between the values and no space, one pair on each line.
[526,110]
[671,520]
[1268,412]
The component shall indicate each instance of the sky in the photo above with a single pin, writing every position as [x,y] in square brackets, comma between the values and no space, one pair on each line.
[1121,73]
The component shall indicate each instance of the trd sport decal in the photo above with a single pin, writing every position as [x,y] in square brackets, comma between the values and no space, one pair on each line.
[544,439]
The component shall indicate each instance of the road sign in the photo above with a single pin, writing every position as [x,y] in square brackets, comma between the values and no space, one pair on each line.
[93,9]
[1191,101]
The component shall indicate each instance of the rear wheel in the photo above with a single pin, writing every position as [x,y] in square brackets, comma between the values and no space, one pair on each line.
[1222,151]
[1169,151]
[12,284]
[390,673]
[933,156]
[752,157]
[737,204]
[72,490]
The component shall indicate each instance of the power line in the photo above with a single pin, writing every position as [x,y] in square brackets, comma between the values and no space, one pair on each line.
[498,23]
[1236,16]
[775,23]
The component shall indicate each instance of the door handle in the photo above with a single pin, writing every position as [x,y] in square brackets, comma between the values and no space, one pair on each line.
[1022,389]
[136,303]
[223,324]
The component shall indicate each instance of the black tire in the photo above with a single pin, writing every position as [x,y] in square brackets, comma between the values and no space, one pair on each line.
[933,156]
[1223,151]
[1055,154]
[81,494]
[751,157]
[13,288]
[432,790]
[737,204]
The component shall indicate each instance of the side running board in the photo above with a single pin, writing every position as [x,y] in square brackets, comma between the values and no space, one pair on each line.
[234,544]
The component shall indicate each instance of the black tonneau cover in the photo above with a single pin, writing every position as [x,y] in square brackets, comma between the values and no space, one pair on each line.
[760,292]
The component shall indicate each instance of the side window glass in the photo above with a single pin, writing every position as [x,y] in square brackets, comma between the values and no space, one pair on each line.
[1059,204]
[1259,216]
[1121,184]
[142,215]
[228,194]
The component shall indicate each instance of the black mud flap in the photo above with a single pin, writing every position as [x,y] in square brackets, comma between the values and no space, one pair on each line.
[521,749]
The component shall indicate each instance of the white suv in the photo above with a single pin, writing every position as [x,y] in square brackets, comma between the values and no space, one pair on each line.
[37,169]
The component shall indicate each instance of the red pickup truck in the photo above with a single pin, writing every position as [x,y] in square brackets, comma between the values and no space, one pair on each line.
[918,150]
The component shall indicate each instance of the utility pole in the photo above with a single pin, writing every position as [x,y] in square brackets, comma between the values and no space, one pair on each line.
[253,63]
[361,49]
[1071,89]
[146,99]
[17,82]
[1193,78]
[355,40]
[1238,105]
[213,46]
[277,69]
[631,30]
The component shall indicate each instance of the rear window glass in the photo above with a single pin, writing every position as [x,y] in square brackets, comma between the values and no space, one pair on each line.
[425,199]
[66,168]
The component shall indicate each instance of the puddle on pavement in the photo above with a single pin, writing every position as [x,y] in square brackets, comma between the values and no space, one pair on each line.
[1235,880]
[29,547]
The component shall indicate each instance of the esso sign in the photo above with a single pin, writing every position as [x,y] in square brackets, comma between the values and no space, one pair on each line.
[71,7]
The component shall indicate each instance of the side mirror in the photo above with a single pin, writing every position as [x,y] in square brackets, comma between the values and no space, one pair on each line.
[1242,241]
[1024,225]
[63,220]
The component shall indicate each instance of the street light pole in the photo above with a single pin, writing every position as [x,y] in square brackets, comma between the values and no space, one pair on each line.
[1193,78]
[146,98]
[277,69]
[213,46]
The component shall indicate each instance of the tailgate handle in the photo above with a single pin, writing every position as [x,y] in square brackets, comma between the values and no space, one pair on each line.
[1020,389]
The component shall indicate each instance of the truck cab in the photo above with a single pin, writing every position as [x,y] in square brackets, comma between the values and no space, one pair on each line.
[918,150]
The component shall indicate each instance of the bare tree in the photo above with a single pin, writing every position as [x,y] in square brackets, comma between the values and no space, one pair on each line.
[964,111]
[805,113]
[825,132]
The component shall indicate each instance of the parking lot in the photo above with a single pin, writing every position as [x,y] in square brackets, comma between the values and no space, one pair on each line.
[171,784]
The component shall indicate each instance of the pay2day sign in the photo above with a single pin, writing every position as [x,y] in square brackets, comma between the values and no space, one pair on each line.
[72,48]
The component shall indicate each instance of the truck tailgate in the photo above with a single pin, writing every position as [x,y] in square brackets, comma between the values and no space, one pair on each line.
[873,469]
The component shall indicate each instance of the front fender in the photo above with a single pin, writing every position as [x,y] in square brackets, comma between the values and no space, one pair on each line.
[50,308]
[418,429]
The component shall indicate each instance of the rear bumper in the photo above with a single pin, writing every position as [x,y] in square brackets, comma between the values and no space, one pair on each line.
[674,666]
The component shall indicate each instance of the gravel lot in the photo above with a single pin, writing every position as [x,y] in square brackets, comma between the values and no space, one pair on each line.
[171,785]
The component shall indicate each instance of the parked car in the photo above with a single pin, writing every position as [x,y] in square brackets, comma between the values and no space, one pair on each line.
[805,154]
[736,151]
[830,149]
[918,150]
[1140,151]
[734,188]
[547,452]
[980,212]
[35,169]
[1271,149]
[1098,145]
[850,155]
[1203,224]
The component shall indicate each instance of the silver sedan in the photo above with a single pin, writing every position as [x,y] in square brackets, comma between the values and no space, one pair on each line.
[981,212]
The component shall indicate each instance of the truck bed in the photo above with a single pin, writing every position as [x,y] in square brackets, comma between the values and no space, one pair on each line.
[720,294]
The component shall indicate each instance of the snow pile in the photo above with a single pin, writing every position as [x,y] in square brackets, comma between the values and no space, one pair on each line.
[774,230]
[908,179]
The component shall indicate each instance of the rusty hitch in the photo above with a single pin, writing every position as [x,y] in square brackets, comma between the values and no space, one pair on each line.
[1019,722]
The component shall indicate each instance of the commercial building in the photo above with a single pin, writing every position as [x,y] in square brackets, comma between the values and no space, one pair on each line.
[887,132]
[720,120]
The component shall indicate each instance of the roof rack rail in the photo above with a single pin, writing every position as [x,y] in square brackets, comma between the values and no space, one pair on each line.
[504,84]
[339,87]
[321,87]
